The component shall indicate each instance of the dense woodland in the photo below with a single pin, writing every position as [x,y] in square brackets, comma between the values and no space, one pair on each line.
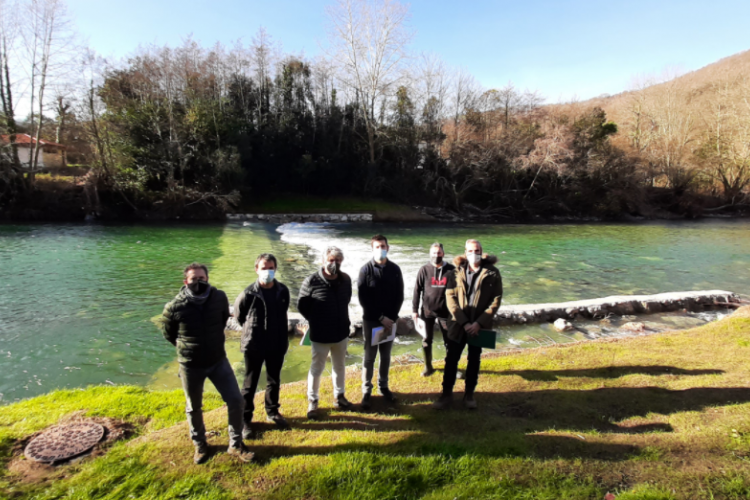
[195,129]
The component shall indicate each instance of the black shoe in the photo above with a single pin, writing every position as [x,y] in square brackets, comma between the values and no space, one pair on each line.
[428,370]
[248,432]
[201,453]
[444,403]
[365,401]
[388,396]
[341,403]
[312,410]
[279,420]
[469,402]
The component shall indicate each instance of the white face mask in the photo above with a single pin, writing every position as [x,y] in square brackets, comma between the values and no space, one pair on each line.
[474,258]
[266,276]
[379,254]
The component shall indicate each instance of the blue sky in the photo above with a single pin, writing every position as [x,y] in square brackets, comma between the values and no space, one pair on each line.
[560,48]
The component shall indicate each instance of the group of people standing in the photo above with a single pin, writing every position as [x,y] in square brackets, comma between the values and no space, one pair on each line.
[461,299]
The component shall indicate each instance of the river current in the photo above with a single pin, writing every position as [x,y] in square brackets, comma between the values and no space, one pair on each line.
[77,302]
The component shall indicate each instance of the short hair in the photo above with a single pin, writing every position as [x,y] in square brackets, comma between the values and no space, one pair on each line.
[473,241]
[267,257]
[335,251]
[378,237]
[437,244]
[194,266]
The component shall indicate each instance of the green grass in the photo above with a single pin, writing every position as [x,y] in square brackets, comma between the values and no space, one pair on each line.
[657,417]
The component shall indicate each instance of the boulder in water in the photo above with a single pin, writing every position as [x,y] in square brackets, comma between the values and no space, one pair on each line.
[563,325]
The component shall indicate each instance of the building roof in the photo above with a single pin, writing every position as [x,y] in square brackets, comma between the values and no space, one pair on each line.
[26,139]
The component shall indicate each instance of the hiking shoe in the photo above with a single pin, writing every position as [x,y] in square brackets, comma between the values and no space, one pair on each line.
[428,370]
[241,452]
[312,410]
[279,420]
[342,403]
[201,453]
[469,402]
[444,403]
[388,396]
[248,432]
[366,403]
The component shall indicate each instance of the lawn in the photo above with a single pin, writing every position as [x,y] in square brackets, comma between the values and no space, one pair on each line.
[654,417]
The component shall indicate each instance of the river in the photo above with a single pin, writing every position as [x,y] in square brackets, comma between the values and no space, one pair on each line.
[77,301]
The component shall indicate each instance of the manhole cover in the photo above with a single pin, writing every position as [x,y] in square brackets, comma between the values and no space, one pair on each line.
[64,441]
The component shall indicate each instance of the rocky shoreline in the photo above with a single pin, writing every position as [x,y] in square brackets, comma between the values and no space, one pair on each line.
[621,305]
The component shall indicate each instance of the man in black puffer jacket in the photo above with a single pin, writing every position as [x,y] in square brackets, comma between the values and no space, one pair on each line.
[261,309]
[324,302]
[194,322]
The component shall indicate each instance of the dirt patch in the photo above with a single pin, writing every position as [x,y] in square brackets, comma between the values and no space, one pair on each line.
[28,471]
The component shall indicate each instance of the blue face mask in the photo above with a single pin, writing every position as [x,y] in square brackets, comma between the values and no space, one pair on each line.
[266,275]
[379,253]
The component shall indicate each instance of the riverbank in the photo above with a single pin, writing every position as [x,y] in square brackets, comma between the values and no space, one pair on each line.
[659,417]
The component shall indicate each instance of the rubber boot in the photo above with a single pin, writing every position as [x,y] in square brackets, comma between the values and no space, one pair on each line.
[428,369]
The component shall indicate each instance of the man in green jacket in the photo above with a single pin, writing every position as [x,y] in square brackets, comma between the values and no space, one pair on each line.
[194,322]
[473,297]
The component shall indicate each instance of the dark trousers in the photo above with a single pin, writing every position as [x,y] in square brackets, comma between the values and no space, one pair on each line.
[222,376]
[371,352]
[429,327]
[452,357]
[255,357]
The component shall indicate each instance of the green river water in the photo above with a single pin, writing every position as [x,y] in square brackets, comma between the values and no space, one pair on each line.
[77,301]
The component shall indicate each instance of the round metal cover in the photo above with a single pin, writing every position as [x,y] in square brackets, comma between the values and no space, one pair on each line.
[64,441]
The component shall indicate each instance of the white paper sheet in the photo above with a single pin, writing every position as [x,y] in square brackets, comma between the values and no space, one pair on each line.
[379,335]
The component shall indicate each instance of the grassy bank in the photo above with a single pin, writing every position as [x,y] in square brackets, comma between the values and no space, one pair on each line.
[382,211]
[657,417]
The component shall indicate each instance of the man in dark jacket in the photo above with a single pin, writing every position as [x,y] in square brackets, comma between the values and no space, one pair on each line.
[381,294]
[324,302]
[194,322]
[261,309]
[430,289]
[473,297]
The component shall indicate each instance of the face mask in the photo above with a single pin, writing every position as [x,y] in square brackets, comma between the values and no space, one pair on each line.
[474,258]
[198,287]
[436,260]
[379,253]
[266,275]
[332,268]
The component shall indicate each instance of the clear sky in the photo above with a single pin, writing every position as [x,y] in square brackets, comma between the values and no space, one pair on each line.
[561,48]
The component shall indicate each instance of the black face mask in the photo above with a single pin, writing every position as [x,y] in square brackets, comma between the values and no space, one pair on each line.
[436,260]
[198,287]
[332,268]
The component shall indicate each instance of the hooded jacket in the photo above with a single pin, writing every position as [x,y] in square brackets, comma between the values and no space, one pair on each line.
[195,325]
[430,288]
[325,305]
[485,302]
[252,314]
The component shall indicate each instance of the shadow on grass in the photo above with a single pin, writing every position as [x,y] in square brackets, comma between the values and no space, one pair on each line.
[542,424]
[604,372]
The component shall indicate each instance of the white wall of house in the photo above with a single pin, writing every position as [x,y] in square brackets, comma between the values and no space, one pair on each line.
[45,159]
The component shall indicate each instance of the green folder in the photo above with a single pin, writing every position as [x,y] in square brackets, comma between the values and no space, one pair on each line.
[306,339]
[486,338]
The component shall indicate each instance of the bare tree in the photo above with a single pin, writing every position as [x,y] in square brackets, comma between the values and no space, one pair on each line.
[49,45]
[369,40]
[8,35]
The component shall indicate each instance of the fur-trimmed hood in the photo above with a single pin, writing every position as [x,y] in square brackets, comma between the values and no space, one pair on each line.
[460,260]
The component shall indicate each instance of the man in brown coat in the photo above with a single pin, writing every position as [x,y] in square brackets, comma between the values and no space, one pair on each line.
[472,298]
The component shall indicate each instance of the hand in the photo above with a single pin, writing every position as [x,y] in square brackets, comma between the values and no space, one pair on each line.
[387,323]
[415,317]
[472,329]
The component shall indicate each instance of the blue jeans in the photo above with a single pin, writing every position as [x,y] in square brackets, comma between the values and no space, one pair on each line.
[222,376]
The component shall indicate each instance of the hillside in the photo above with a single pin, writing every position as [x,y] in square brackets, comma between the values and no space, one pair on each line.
[664,416]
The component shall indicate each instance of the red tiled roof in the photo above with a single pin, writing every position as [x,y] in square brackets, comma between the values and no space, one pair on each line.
[22,139]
